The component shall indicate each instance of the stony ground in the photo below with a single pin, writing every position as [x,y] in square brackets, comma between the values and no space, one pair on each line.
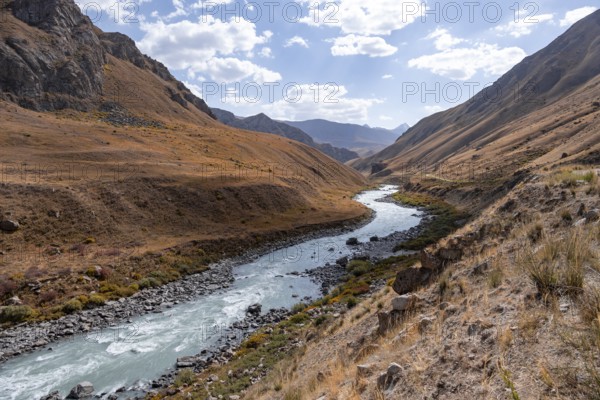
[515,315]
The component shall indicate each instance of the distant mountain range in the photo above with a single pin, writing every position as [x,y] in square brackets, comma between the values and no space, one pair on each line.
[262,123]
[362,139]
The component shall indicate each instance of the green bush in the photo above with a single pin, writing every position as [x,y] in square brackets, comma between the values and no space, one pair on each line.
[358,268]
[95,300]
[72,306]
[185,377]
[148,283]
[15,313]
[298,308]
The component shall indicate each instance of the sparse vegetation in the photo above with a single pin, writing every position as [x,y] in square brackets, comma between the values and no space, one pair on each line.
[444,222]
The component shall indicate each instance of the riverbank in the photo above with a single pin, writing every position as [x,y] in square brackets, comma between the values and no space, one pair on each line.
[31,336]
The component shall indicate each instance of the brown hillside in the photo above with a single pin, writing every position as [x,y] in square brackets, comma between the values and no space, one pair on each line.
[112,157]
[548,101]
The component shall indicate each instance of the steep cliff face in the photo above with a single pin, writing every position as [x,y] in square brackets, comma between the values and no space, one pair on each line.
[53,57]
[50,56]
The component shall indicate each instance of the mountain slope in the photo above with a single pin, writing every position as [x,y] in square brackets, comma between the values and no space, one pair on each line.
[359,138]
[545,102]
[262,123]
[109,161]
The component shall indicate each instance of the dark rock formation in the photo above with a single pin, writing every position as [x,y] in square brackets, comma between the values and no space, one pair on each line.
[52,57]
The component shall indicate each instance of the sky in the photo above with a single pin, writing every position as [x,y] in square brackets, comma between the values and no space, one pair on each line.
[376,62]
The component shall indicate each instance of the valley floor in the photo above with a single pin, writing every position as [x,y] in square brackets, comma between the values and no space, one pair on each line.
[512,312]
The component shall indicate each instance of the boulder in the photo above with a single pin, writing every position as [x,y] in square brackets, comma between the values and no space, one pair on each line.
[374,239]
[404,302]
[342,261]
[83,390]
[363,370]
[409,279]
[254,309]
[592,216]
[52,396]
[390,378]
[430,261]
[9,226]
[450,254]
[352,242]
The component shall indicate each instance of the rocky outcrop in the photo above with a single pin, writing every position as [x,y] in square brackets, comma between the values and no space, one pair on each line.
[56,62]
[83,390]
[52,57]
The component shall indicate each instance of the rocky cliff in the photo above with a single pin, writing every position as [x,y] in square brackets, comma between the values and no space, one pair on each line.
[53,57]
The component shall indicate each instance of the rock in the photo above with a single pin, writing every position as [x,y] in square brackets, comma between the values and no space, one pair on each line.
[54,213]
[390,378]
[430,261]
[581,210]
[343,262]
[450,254]
[363,370]
[83,390]
[592,216]
[254,309]
[14,301]
[404,302]
[374,239]
[387,320]
[9,226]
[52,396]
[480,269]
[409,279]
[234,397]
[352,242]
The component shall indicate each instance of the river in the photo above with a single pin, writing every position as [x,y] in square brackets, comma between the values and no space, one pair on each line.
[137,352]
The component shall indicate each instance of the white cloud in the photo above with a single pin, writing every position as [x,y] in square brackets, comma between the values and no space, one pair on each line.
[443,39]
[465,62]
[296,40]
[523,26]
[575,15]
[433,109]
[182,44]
[380,17]
[385,118]
[231,69]
[387,76]
[209,47]
[367,45]
[266,52]
[329,102]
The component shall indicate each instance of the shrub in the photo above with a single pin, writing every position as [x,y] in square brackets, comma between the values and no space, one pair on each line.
[298,308]
[148,283]
[351,302]
[495,278]
[48,296]
[72,306]
[7,287]
[535,232]
[566,216]
[254,341]
[321,319]
[299,318]
[95,300]
[15,313]
[358,268]
[185,377]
